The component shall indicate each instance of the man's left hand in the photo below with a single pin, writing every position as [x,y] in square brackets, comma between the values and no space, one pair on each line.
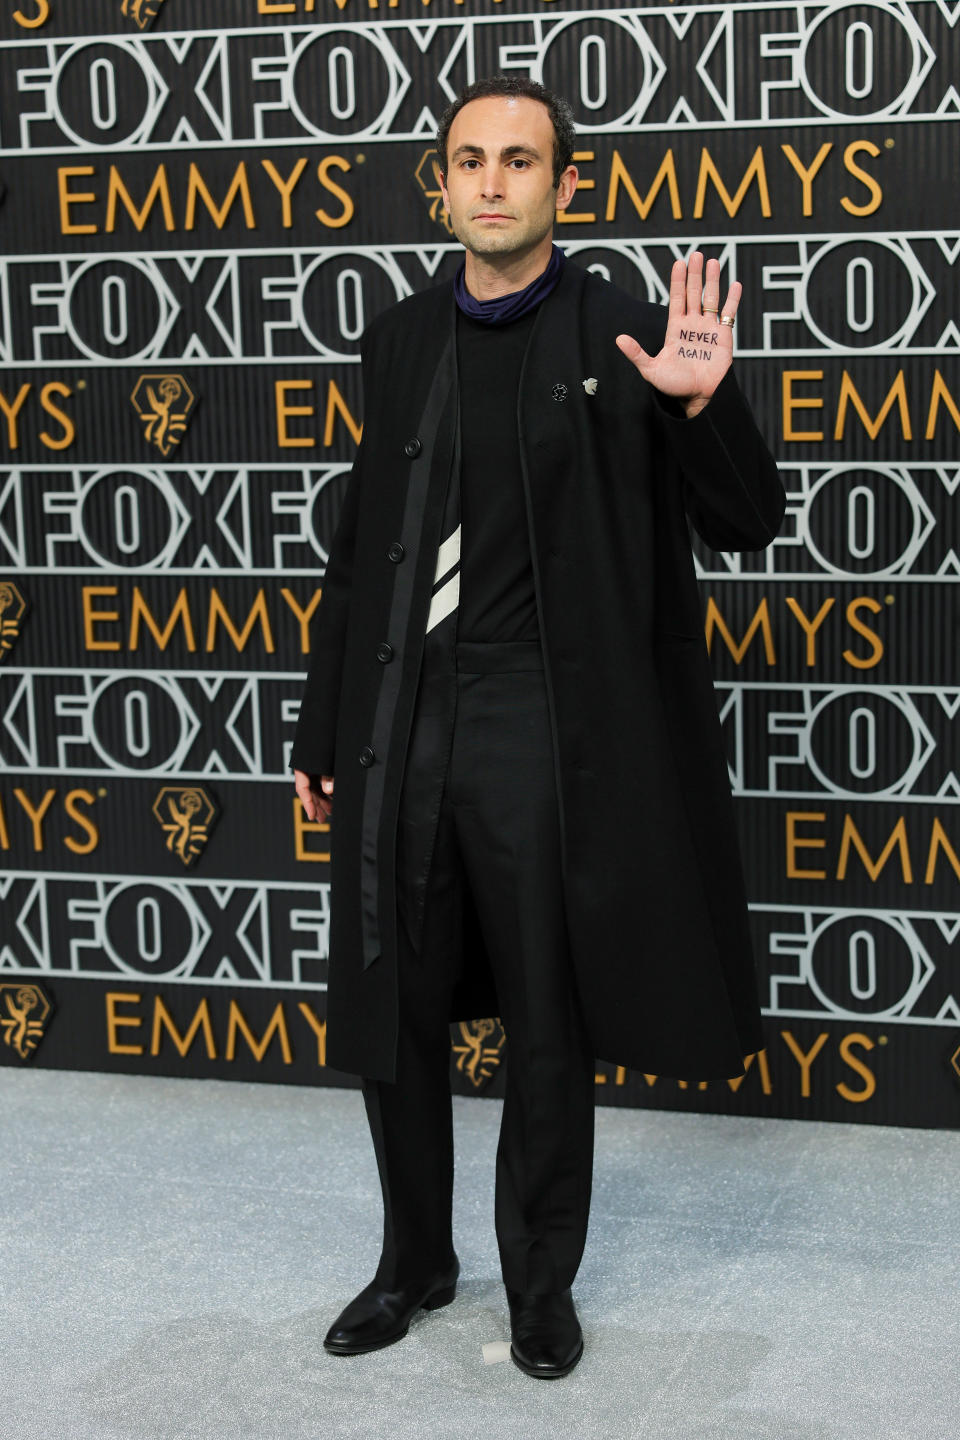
[698,348]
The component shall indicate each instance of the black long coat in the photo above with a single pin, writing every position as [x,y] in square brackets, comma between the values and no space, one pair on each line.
[652,880]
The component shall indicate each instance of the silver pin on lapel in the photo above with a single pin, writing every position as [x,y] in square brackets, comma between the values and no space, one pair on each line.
[590,385]
[559,391]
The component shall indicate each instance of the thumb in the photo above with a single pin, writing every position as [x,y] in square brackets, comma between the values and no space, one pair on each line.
[326,784]
[633,350]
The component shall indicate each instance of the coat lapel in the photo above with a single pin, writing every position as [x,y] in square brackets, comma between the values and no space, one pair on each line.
[428,479]
[550,406]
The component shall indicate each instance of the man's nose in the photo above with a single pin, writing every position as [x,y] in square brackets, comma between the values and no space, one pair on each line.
[492,183]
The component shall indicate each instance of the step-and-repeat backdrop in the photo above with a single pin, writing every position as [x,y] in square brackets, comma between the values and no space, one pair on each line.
[203,204]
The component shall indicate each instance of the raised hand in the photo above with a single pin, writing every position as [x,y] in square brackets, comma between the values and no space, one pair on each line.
[698,347]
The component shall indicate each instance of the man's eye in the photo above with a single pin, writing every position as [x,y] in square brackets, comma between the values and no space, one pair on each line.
[522,163]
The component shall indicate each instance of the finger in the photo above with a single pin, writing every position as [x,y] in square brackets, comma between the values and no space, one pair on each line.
[326,784]
[694,282]
[733,299]
[678,290]
[711,288]
[324,807]
[633,350]
[305,792]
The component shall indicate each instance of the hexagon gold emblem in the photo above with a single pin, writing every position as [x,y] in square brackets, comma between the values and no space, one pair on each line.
[25,1009]
[13,607]
[427,176]
[164,403]
[141,12]
[186,814]
[955,1062]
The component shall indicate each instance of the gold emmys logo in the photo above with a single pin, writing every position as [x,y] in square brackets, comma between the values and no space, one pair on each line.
[141,12]
[13,607]
[481,1052]
[154,398]
[24,1012]
[186,815]
[427,175]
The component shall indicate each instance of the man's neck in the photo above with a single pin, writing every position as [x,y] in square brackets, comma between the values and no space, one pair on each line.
[489,276]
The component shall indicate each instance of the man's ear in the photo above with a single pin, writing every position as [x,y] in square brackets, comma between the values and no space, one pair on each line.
[567,186]
[443,189]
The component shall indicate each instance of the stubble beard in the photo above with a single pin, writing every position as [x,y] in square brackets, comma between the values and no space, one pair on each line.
[511,239]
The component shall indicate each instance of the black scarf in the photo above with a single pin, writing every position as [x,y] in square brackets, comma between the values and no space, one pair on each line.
[503,308]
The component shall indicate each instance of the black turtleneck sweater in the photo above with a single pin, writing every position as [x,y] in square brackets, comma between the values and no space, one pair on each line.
[497,596]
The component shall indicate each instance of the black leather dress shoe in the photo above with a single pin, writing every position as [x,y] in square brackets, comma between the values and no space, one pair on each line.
[546,1337]
[378,1317]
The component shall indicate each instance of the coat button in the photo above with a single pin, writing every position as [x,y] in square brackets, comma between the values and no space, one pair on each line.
[367,756]
[395,552]
[384,652]
[412,448]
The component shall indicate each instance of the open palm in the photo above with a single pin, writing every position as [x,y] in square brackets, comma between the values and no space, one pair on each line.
[698,348]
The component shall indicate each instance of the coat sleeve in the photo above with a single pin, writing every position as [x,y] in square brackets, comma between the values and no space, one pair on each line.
[732,489]
[313,745]
[314,740]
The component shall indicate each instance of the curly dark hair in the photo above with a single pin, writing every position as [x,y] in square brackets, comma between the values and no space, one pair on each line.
[515,87]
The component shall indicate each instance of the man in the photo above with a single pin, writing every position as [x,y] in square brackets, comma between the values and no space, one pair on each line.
[509,680]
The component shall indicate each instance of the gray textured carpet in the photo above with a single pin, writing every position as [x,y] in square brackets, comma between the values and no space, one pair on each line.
[173,1251]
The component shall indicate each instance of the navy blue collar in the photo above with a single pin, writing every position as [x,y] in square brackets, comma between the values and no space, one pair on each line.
[503,308]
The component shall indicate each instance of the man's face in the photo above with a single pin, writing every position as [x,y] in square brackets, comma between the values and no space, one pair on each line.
[499,189]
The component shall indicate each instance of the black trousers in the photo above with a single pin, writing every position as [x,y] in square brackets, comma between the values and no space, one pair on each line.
[482,789]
